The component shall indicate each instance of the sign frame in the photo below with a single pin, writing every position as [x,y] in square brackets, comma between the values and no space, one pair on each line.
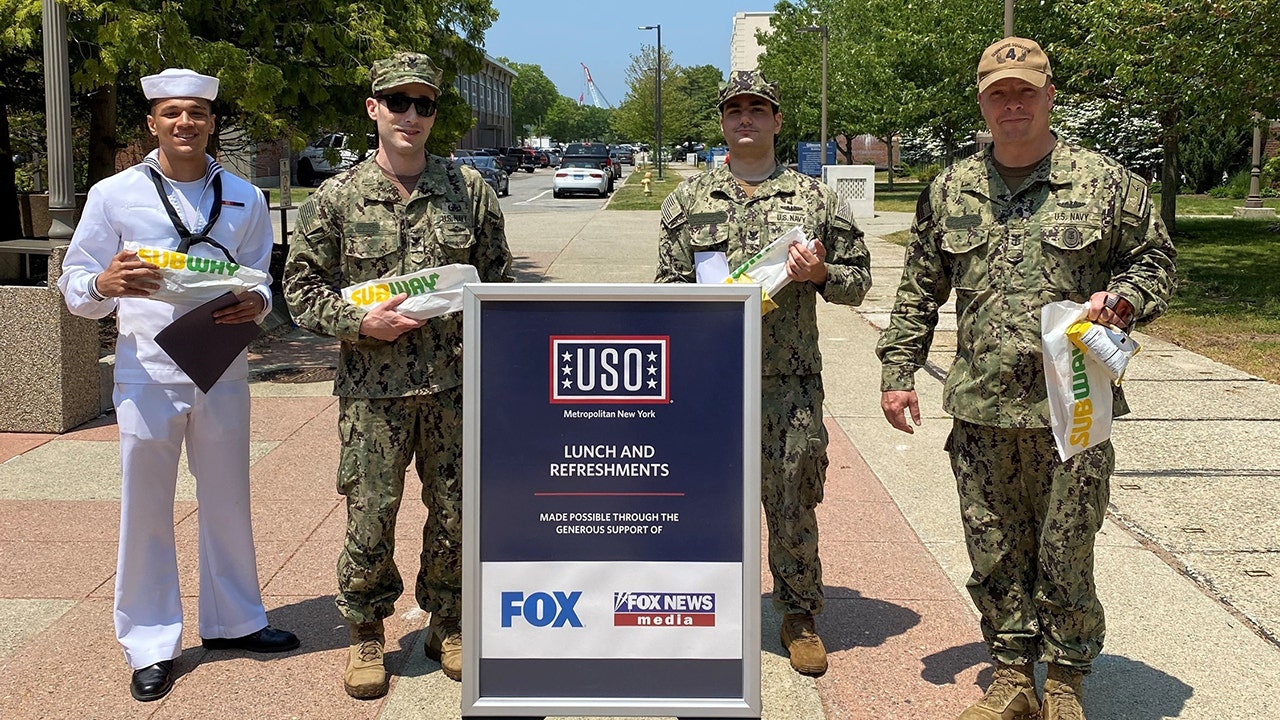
[477,299]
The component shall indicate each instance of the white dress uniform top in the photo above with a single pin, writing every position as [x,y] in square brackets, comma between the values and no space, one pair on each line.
[158,406]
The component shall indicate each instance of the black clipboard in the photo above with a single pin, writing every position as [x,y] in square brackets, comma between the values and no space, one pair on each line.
[202,348]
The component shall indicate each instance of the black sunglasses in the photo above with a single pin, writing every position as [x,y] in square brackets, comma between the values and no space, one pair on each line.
[400,102]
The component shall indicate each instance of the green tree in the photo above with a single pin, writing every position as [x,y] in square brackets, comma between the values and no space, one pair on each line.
[1174,61]
[532,95]
[697,90]
[892,67]
[689,111]
[570,121]
[278,79]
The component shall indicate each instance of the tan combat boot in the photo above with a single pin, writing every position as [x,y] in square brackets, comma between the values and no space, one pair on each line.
[1011,696]
[366,676]
[800,638]
[1063,693]
[444,644]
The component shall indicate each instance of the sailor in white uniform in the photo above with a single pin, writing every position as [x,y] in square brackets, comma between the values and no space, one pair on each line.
[178,198]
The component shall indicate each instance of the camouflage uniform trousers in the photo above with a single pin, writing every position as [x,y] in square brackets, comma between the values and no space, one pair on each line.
[379,436]
[1030,521]
[793,469]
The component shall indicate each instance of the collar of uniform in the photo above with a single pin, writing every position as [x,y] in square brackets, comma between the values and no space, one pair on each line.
[1061,170]
[779,182]
[433,181]
[1056,171]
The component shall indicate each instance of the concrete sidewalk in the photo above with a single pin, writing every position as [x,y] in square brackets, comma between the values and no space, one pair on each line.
[1188,610]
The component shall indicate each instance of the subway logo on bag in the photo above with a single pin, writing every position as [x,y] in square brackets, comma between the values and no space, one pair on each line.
[1082,409]
[170,260]
[379,292]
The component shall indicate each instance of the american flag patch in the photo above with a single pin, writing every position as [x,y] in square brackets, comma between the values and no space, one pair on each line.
[610,369]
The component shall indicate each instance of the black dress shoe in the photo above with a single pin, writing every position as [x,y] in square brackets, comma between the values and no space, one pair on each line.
[266,640]
[152,682]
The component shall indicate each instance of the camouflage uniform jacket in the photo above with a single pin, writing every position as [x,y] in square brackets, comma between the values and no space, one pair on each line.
[355,228]
[1079,224]
[711,213]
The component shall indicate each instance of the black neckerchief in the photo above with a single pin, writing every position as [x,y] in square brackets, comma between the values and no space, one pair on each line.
[189,238]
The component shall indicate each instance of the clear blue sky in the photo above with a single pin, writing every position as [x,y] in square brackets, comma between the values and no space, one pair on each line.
[559,35]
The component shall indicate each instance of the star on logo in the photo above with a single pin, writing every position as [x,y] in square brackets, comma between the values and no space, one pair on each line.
[567,383]
[653,357]
[653,369]
[566,357]
[653,384]
[566,370]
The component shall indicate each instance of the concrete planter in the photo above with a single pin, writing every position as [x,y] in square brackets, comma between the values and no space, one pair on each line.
[48,359]
[33,213]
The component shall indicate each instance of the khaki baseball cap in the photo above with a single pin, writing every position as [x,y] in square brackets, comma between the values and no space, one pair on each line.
[1013,57]
[748,82]
[404,68]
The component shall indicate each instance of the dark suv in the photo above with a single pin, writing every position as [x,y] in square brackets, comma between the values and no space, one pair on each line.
[595,151]
[524,158]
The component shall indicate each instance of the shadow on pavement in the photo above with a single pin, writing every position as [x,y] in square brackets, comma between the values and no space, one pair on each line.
[944,668]
[1117,689]
[1124,689]
[849,620]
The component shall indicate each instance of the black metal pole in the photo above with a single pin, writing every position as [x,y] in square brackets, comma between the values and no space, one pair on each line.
[658,113]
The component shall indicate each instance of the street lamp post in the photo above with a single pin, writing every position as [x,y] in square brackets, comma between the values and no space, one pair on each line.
[822,29]
[1008,18]
[1255,174]
[657,109]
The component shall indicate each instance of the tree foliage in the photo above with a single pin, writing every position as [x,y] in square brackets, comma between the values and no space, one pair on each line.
[532,95]
[689,111]
[1174,61]
[284,71]
[570,121]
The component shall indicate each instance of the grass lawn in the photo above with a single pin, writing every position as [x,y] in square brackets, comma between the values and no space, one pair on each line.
[1205,205]
[296,193]
[1227,306]
[1228,302]
[630,195]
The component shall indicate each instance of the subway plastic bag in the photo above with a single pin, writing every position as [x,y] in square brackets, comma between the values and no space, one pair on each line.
[1079,386]
[432,292]
[193,278]
[768,267]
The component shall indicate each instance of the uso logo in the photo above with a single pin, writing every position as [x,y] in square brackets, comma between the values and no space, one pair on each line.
[610,369]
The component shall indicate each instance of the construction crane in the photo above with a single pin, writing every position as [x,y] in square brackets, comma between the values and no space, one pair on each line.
[596,97]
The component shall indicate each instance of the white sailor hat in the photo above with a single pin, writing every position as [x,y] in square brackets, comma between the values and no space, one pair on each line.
[179,82]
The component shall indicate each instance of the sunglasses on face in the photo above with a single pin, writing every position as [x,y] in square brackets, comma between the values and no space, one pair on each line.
[400,102]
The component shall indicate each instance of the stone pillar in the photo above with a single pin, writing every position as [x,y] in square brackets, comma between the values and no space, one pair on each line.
[57,109]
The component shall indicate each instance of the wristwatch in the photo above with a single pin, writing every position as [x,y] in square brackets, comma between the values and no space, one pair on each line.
[1122,308]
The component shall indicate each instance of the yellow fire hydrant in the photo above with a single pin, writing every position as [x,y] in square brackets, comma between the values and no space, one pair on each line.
[646,182]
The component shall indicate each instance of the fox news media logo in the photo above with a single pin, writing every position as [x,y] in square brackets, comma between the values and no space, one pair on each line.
[605,369]
[634,609]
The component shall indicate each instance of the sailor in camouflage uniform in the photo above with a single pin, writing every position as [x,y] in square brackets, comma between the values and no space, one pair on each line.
[1028,222]
[738,209]
[399,379]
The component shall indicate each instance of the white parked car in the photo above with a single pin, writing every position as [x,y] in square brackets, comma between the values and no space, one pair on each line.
[581,175]
[329,156]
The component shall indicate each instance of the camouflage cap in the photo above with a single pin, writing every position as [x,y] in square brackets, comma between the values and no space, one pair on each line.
[748,82]
[404,68]
[1013,57]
